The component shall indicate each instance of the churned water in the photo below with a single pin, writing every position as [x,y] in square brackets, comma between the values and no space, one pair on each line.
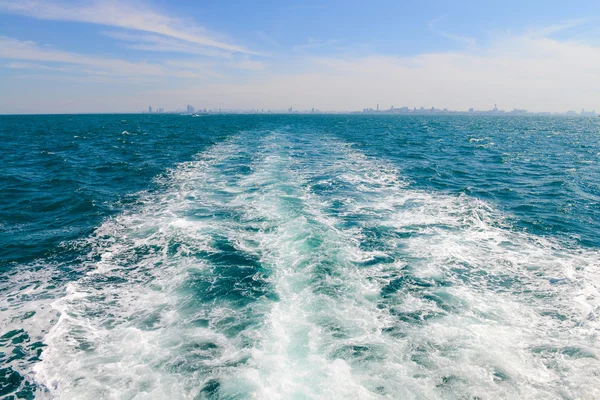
[299,257]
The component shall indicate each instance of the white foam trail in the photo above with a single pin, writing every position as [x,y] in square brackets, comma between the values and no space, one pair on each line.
[495,312]
[346,284]
[124,329]
[317,285]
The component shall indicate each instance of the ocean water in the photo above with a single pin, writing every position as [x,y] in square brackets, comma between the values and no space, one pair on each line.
[299,257]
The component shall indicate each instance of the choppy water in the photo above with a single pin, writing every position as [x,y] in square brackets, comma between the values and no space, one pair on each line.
[299,257]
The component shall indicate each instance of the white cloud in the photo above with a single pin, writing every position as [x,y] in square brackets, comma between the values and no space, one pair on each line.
[28,65]
[152,42]
[118,14]
[13,49]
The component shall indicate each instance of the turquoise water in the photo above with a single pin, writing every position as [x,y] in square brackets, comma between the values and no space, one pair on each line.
[299,257]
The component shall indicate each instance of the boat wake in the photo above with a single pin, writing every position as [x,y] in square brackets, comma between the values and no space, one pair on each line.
[279,266]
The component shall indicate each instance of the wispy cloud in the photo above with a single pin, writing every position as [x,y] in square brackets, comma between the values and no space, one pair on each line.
[433,26]
[152,42]
[128,16]
[312,44]
[82,79]
[556,28]
[27,51]
[29,66]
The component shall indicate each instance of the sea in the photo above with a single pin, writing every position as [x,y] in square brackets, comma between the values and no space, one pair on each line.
[299,257]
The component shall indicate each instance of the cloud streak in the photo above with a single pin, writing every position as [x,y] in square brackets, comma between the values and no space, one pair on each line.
[128,16]
[313,44]
[32,66]
[152,42]
[28,51]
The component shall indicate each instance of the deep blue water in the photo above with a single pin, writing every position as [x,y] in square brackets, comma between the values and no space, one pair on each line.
[321,256]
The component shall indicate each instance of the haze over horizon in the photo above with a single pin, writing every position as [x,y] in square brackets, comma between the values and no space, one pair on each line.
[109,56]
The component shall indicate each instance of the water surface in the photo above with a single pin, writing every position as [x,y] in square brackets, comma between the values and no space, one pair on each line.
[298,257]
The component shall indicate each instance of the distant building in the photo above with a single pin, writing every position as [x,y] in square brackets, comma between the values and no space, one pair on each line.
[290,109]
[471,110]
[588,113]
[517,111]
[190,109]
[150,110]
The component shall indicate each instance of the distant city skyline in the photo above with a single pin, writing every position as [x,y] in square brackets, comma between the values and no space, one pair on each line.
[189,109]
[118,56]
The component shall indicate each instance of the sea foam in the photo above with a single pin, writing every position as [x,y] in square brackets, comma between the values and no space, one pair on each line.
[283,266]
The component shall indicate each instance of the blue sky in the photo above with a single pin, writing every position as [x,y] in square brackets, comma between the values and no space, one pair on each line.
[111,56]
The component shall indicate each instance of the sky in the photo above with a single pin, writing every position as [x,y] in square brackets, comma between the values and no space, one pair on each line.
[107,56]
